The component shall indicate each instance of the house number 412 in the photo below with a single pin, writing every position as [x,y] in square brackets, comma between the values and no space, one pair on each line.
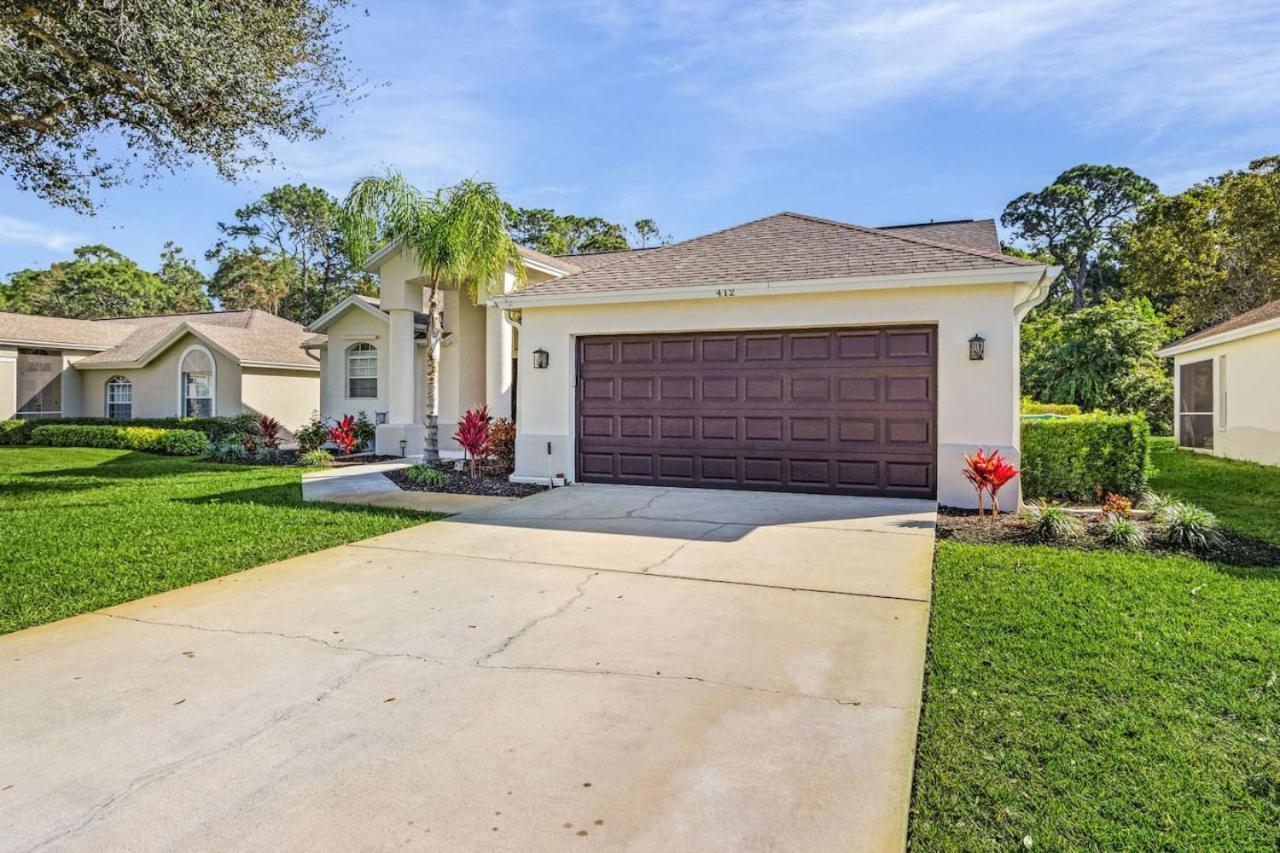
[726,291]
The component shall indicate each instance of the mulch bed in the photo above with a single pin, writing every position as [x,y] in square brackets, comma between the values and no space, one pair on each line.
[462,483]
[964,525]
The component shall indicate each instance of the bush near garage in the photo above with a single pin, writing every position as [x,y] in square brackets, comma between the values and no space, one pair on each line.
[1085,457]
[170,442]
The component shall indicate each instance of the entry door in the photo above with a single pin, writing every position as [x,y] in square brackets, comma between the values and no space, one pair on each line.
[837,411]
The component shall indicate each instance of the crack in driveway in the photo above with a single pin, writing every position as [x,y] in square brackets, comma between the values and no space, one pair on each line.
[579,591]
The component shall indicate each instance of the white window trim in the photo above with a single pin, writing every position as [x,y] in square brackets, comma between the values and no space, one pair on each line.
[106,396]
[213,381]
[1221,379]
[346,371]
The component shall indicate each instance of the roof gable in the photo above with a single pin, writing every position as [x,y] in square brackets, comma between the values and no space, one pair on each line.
[782,247]
[1238,326]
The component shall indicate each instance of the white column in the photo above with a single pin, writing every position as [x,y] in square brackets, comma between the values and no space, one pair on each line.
[400,368]
[497,356]
[403,434]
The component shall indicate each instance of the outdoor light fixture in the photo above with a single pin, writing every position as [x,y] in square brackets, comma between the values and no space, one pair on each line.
[541,358]
[404,443]
[977,347]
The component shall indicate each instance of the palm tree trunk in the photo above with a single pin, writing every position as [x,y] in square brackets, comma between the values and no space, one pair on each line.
[431,384]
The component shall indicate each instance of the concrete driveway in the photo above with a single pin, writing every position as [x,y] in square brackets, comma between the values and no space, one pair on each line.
[605,667]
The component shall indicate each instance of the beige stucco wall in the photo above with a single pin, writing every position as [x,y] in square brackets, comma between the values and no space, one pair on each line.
[977,400]
[1249,428]
[352,327]
[462,364]
[156,387]
[8,382]
[289,396]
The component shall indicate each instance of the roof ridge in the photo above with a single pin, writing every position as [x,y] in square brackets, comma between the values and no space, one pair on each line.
[968,250]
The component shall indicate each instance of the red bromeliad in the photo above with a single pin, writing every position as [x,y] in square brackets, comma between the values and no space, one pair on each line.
[473,435]
[988,472]
[343,434]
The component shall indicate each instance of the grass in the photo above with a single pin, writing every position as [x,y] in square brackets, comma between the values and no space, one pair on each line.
[84,529]
[1244,496]
[1106,700]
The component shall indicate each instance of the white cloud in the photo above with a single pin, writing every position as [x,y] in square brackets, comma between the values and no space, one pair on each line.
[21,232]
[800,65]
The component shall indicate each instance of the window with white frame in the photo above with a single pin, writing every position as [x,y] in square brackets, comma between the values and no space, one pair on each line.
[119,398]
[362,371]
[197,383]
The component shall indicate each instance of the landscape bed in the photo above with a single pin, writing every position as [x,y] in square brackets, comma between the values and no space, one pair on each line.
[460,482]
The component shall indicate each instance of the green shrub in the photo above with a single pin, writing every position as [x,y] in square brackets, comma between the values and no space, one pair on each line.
[1083,458]
[1049,523]
[426,474]
[1122,532]
[312,434]
[174,442]
[1031,407]
[15,432]
[1185,525]
[315,458]
[366,432]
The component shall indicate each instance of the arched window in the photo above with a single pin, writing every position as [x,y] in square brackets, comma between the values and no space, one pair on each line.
[362,371]
[196,377]
[119,398]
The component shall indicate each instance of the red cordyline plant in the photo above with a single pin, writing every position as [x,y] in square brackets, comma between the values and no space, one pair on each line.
[344,435]
[269,428]
[473,435]
[988,472]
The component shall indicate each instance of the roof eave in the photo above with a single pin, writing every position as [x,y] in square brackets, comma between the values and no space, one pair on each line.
[322,322]
[1259,328]
[44,344]
[712,290]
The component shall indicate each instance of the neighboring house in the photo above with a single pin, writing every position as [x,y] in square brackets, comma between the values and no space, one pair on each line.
[789,353]
[215,363]
[1226,386]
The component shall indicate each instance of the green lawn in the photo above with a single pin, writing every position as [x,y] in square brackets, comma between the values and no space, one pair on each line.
[1245,496]
[1106,701]
[83,529]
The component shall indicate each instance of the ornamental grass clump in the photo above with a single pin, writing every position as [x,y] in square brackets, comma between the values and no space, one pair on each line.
[1122,532]
[426,474]
[1052,523]
[1185,525]
[315,458]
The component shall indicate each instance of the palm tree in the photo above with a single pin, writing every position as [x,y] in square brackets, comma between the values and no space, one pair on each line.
[457,236]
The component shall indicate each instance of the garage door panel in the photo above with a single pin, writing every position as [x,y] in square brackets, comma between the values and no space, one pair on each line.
[849,411]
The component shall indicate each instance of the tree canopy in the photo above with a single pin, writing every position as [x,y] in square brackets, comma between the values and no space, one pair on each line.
[288,249]
[1212,251]
[1077,220]
[98,282]
[544,230]
[1100,357]
[87,89]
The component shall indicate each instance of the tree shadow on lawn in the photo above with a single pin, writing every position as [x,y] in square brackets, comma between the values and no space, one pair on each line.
[290,495]
[132,465]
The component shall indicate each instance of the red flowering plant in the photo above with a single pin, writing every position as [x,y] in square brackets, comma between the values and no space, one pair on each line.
[988,472]
[473,436]
[269,428]
[344,435]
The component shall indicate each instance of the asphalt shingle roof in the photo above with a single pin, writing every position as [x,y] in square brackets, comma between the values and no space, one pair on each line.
[782,247]
[1261,314]
[249,335]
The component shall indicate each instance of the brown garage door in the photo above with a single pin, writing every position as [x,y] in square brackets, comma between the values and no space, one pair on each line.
[844,411]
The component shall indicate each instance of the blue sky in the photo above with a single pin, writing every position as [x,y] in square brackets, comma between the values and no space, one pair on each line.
[702,115]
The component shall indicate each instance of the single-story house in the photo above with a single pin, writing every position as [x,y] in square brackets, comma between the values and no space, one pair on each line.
[213,363]
[1226,385]
[790,353]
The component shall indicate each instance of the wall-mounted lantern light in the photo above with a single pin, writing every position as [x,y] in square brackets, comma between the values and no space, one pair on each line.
[541,358]
[977,347]
[404,446]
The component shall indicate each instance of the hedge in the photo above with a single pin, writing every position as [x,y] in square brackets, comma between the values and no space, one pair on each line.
[1083,458]
[213,429]
[172,442]
[1031,407]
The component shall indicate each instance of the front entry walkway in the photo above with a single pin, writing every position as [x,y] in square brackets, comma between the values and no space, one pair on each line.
[630,668]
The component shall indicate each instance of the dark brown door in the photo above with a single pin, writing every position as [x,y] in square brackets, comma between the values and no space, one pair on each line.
[841,411]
